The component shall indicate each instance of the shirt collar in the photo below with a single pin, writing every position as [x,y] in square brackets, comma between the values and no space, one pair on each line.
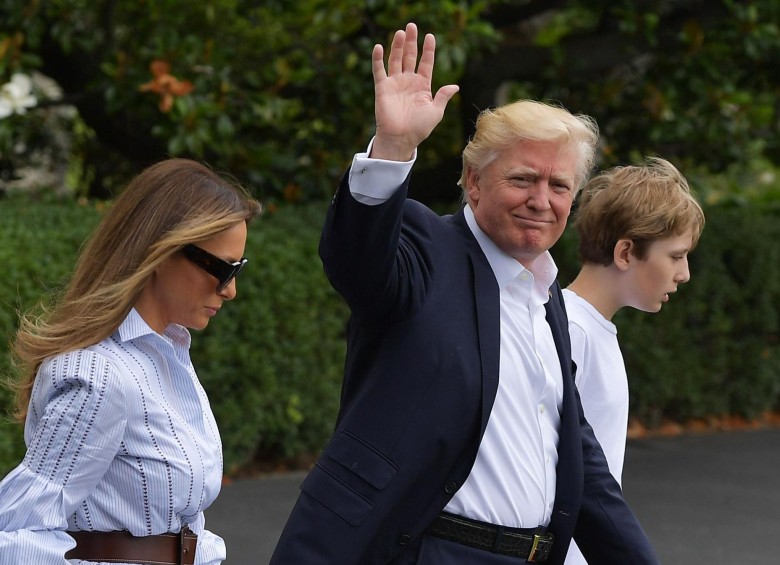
[506,268]
[134,327]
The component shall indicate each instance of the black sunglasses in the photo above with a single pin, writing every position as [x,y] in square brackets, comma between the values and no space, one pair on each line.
[223,271]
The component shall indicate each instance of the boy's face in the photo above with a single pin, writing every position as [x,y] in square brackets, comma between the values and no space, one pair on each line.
[656,276]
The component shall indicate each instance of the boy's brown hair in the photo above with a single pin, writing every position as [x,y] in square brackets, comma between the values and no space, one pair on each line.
[641,203]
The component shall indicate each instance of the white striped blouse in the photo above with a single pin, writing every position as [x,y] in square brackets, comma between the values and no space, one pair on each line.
[120,436]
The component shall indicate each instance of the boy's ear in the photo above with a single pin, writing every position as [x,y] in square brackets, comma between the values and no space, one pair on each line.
[623,253]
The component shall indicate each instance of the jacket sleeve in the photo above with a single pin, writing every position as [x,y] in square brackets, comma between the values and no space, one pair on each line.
[375,256]
[607,531]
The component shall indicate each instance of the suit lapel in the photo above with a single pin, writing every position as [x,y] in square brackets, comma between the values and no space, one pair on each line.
[487,306]
[489,333]
[559,324]
[569,484]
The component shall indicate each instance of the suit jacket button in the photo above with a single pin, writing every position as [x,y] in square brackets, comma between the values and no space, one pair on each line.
[404,539]
[451,487]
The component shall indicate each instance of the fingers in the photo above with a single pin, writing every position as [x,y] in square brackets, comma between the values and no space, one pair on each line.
[410,49]
[396,60]
[428,54]
[403,59]
[378,64]
[403,51]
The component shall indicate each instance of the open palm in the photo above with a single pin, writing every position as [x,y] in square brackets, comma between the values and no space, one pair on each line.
[406,110]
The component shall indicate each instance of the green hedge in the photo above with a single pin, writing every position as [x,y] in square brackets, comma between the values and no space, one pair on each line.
[713,349]
[272,360]
[38,246]
[272,364]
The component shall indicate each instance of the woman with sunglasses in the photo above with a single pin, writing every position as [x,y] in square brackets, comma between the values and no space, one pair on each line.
[123,452]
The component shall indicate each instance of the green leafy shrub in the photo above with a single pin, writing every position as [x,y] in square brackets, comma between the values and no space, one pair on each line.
[272,360]
[713,350]
[274,91]
[38,246]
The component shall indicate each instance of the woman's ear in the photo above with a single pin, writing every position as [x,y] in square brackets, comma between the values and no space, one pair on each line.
[623,253]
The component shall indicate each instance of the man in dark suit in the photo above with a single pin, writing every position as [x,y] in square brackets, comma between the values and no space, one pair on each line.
[460,438]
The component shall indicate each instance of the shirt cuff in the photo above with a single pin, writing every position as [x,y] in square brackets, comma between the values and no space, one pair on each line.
[374,181]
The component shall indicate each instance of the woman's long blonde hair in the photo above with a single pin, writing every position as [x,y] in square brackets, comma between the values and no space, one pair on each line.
[168,205]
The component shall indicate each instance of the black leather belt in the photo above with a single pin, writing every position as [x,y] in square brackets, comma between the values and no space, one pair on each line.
[534,545]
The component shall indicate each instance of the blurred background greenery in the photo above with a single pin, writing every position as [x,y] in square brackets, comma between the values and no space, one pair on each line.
[279,94]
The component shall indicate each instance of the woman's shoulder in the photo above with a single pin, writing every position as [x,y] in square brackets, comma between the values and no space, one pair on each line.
[82,377]
[88,364]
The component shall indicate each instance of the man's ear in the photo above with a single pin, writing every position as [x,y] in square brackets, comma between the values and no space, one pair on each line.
[623,253]
[472,185]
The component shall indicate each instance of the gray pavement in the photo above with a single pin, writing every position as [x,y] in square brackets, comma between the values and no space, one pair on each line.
[712,499]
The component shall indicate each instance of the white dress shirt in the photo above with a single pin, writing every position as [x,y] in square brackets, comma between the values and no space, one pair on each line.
[512,482]
[120,436]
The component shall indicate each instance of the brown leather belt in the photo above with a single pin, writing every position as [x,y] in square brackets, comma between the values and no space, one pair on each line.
[123,547]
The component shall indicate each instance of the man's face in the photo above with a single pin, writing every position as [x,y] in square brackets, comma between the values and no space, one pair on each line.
[523,198]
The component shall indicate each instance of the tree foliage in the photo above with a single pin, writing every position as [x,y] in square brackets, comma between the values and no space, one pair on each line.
[277,92]
[693,80]
[280,94]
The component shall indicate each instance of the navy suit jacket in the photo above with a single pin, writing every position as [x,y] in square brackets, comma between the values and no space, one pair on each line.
[421,375]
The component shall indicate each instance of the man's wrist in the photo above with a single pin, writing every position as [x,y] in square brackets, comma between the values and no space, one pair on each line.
[373,181]
[391,150]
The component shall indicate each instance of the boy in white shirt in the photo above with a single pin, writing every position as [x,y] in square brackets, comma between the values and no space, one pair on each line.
[636,226]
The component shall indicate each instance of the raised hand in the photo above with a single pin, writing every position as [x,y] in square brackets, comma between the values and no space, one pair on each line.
[406,111]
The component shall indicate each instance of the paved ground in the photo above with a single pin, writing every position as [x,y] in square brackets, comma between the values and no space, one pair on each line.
[709,499]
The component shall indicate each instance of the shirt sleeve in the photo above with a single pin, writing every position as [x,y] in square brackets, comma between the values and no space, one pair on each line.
[374,181]
[75,424]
